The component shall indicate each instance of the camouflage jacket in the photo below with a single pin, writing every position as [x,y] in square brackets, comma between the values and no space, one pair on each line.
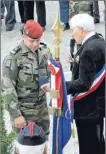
[20,79]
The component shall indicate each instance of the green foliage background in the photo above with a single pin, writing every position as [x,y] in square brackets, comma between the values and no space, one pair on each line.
[6,141]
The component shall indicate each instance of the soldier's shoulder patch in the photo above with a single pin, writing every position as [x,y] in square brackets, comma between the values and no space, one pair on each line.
[16,49]
[8,63]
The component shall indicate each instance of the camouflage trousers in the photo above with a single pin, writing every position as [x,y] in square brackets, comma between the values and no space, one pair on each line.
[81,7]
[40,116]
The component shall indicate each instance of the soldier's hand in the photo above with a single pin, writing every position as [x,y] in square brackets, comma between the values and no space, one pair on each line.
[45,87]
[20,122]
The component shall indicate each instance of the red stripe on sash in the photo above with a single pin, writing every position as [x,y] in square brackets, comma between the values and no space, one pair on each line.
[92,89]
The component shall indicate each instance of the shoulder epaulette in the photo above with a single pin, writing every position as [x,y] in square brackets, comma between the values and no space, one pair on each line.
[42,46]
[45,46]
[42,43]
[15,50]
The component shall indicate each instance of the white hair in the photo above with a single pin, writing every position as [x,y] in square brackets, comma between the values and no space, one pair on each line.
[38,149]
[84,21]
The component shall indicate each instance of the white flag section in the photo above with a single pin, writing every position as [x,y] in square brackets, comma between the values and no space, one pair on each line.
[72,145]
[53,86]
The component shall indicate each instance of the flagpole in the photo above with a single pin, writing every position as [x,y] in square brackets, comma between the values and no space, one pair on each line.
[57,30]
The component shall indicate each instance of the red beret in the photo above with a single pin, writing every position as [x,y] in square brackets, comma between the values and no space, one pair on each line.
[33,29]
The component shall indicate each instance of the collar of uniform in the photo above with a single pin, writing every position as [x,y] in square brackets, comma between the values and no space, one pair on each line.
[88,36]
[25,49]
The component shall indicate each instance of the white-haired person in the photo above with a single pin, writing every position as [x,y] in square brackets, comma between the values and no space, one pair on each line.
[88,84]
[31,140]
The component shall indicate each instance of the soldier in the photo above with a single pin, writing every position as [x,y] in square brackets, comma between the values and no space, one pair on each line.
[24,72]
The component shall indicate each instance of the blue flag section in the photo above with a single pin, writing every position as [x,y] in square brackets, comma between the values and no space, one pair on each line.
[62,124]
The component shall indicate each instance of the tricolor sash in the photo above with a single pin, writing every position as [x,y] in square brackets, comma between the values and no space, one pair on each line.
[97,81]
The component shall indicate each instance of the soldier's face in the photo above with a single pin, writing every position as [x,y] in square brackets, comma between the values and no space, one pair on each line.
[32,44]
[77,34]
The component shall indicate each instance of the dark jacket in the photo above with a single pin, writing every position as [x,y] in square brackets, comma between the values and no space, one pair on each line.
[89,60]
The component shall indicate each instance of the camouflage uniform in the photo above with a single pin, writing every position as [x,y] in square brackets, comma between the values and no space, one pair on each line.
[20,84]
[81,7]
[86,7]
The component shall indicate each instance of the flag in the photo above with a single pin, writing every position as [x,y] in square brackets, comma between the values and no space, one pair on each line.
[61,124]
